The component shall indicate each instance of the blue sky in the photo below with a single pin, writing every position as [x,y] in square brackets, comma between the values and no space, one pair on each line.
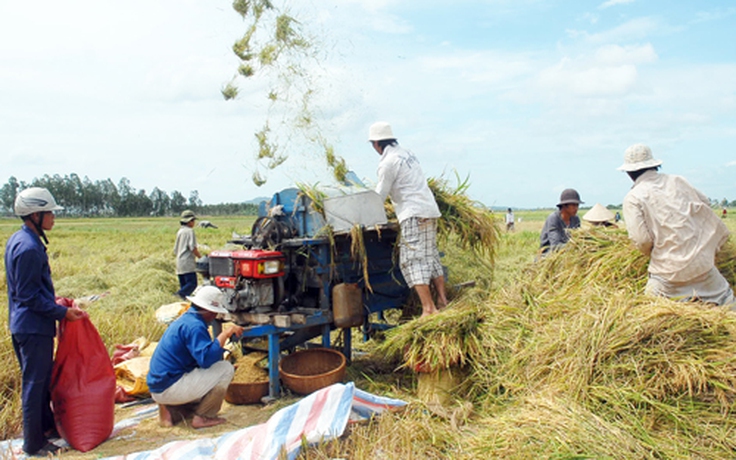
[527,97]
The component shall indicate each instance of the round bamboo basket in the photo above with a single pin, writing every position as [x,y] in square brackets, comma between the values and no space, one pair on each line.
[246,393]
[307,371]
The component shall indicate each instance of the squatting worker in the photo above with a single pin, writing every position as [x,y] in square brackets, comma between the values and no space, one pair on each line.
[400,176]
[187,367]
[672,222]
[187,253]
[33,314]
[556,230]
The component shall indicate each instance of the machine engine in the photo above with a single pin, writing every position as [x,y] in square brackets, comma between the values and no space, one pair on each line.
[252,280]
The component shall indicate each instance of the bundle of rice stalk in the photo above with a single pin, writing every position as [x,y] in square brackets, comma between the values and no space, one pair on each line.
[682,428]
[359,253]
[440,341]
[315,195]
[595,257]
[660,348]
[550,426]
[726,260]
[674,351]
[468,222]
[411,433]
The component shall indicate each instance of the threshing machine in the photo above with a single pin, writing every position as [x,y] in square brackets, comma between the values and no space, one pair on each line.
[296,276]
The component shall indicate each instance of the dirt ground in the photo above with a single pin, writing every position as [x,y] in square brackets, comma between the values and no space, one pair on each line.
[367,373]
[149,435]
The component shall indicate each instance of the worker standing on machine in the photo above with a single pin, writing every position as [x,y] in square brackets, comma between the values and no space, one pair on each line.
[400,176]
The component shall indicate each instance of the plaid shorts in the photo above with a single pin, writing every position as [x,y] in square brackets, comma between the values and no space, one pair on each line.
[419,258]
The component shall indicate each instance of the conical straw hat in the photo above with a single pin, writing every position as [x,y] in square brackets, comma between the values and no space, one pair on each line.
[598,214]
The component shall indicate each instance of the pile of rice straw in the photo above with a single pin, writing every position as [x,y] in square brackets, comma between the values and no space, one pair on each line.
[573,360]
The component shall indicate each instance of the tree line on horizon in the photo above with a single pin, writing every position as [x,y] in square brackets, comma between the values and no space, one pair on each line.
[82,197]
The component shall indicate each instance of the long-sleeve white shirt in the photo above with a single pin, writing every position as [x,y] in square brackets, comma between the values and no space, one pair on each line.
[670,220]
[401,178]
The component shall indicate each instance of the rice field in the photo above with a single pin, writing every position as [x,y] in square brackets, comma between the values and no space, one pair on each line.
[556,358]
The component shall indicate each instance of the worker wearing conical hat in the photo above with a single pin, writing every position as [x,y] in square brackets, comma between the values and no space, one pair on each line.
[672,222]
[598,215]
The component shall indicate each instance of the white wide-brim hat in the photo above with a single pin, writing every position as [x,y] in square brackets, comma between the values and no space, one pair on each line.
[637,157]
[598,213]
[380,131]
[209,298]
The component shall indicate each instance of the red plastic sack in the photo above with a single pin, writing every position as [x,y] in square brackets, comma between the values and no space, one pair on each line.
[82,386]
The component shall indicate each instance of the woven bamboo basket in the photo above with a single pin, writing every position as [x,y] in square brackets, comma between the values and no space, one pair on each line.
[246,393]
[307,371]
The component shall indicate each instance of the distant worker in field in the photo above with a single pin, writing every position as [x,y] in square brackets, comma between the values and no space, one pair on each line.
[725,212]
[187,367]
[599,216]
[400,176]
[185,249]
[556,230]
[206,224]
[672,222]
[33,315]
[509,220]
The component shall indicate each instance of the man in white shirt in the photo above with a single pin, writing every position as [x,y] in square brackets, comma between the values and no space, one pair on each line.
[509,220]
[400,176]
[672,222]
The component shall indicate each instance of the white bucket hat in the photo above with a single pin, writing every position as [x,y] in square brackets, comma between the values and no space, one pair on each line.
[598,213]
[210,298]
[637,157]
[380,131]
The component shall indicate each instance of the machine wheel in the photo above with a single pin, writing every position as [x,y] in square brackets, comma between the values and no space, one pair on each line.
[266,233]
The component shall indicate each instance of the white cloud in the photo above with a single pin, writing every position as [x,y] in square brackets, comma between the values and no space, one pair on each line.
[588,81]
[592,18]
[389,24]
[617,54]
[731,163]
[478,67]
[611,3]
[713,15]
[633,30]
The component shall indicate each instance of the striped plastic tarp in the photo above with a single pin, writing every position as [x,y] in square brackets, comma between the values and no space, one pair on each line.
[321,416]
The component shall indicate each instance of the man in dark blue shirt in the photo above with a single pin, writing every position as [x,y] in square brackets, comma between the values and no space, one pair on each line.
[187,365]
[33,314]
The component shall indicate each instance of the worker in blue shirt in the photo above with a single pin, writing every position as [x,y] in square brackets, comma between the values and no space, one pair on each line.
[187,367]
[33,314]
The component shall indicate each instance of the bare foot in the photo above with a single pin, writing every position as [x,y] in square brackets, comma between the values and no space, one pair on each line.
[200,421]
[164,416]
